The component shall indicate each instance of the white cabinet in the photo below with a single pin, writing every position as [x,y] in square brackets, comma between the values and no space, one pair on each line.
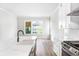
[71,32]
[68,25]
[60,21]
[65,28]
[74,24]
[74,6]
[64,20]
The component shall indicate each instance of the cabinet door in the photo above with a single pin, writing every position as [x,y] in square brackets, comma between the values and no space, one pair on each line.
[64,20]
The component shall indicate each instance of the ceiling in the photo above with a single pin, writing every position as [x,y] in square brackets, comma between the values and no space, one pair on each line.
[30,9]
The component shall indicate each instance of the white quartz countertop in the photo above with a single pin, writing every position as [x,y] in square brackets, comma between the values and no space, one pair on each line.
[19,49]
[16,51]
[22,48]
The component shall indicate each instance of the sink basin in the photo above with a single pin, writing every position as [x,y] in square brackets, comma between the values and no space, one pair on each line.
[26,42]
[21,38]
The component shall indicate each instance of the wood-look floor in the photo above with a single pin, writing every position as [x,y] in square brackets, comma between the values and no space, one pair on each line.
[44,48]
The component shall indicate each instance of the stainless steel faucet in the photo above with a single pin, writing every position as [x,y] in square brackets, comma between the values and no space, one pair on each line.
[18,34]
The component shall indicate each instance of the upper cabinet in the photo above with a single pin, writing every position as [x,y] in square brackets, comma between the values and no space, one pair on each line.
[70,23]
[74,14]
[64,20]
[74,10]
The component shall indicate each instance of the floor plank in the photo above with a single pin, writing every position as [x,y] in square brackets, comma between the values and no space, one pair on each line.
[44,48]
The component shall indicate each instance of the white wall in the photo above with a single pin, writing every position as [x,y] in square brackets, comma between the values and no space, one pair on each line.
[7,29]
[24,9]
[11,11]
[55,30]
[33,10]
[44,24]
[30,9]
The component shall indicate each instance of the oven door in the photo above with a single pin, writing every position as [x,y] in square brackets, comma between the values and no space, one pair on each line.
[68,50]
[64,53]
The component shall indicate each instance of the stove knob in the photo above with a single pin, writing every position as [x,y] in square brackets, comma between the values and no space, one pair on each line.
[78,53]
[75,51]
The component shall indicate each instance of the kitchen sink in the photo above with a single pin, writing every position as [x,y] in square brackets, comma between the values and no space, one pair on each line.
[26,42]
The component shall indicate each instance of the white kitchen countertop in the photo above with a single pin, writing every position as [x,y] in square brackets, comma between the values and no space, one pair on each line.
[18,49]
[12,48]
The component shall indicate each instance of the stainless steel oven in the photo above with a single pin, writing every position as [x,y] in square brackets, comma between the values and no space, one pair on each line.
[70,48]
